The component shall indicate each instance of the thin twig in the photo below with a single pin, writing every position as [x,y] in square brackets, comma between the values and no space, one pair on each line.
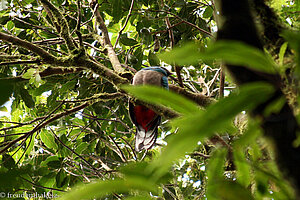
[184,21]
[125,24]
[43,123]
[132,149]
[78,33]
[20,62]
[222,82]
[35,26]
[89,164]
[121,154]
[26,148]
[166,30]
[172,44]
[200,154]
[39,186]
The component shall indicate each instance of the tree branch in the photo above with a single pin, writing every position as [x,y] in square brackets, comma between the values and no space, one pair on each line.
[43,123]
[172,44]
[125,24]
[198,98]
[184,21]
[89,164]
[20,62]
[50,71]
[105,41]
[28,45]
[60,22]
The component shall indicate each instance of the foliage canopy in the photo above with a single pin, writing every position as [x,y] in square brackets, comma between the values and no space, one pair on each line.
[64,81]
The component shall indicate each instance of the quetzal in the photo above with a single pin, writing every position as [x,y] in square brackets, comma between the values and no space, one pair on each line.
[145,119]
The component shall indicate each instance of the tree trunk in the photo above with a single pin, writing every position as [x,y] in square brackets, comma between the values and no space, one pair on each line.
[281,127]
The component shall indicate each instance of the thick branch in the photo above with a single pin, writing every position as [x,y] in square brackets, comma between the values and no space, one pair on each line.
[61,23]
[101,70]
[28,45]
[50,71]
[198,98]
[105,42]
[270,22]
[160,110]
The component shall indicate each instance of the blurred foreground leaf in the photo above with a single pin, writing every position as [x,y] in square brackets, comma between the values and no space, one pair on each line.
[232,52]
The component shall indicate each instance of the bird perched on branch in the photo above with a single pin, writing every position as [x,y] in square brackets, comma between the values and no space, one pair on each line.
[145,119]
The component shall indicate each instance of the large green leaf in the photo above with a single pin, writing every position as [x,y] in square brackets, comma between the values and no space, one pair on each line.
[167,98]
[48,139]
[229,190]
[196,127]
[127,41]
[6,89]
[217,187]
[293,39]
[102,188]
[153,60]
[232,52]
[27,98]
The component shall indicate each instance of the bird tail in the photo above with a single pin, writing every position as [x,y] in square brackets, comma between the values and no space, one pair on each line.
[146,139]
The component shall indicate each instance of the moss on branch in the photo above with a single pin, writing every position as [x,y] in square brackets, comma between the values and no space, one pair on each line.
[61,24]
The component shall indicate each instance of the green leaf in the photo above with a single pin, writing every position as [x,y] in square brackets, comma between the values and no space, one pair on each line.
[293,38]
[208,12]
[10,25]
[282,52]
[229,190]
[102,188]
[61,178]
[202,124]
[8,161]
[4,19]
[29,74]
[81,147]
[48,180]
[3,109]
[6,89]
[68,86]
[146,36]
[117,10]
[215,169]
[185,55]
[145,197]
[48,139]
[27,98]
[153,59]
[242,166]
[49,159]
[157,95]
[232,52]
[127,41]
[30,144]
[215,173]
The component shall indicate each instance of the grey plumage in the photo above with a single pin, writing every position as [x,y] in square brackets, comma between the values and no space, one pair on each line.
[145,119]
[147,77]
